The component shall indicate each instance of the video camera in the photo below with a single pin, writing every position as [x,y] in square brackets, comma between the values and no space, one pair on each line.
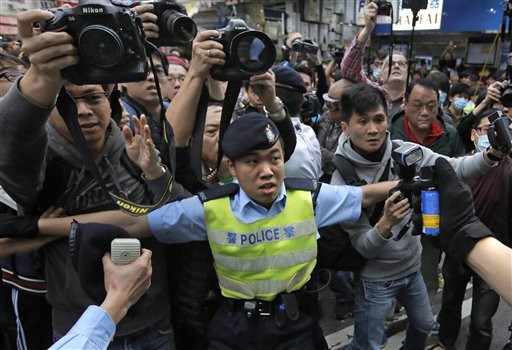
[248,52]
[305,45]
[110,41]
[499,133]
[176,28]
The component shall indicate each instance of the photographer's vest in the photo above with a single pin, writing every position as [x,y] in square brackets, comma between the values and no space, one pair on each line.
[262,259]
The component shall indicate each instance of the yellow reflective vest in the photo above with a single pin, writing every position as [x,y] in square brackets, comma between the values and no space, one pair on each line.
[262,259]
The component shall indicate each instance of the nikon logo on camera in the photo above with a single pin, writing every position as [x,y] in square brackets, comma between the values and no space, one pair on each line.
[92,10]
[240,28]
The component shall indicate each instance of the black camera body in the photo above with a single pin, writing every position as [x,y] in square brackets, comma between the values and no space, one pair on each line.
[248,52]
[337,52]
[384,6]
[506,95]
[110,42]
[499,133]
[176,28]
[310,109]
[305,46]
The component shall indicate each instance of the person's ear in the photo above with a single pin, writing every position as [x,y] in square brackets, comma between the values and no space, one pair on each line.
[344,127]
[231,167]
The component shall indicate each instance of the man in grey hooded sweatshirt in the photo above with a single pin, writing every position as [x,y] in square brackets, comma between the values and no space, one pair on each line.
[393,267]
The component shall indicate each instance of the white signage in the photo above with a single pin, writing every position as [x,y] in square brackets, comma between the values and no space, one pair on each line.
[428,19]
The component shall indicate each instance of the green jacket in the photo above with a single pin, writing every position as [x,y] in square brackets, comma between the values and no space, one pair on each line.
[448,144]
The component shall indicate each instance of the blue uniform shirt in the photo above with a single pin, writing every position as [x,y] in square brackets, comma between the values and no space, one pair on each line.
[94,330]
[183,221]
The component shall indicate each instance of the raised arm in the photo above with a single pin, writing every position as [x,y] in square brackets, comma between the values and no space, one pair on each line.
[182,111]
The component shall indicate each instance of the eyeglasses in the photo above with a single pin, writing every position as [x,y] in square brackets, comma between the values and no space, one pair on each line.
[418,107]
[93,99]
[179,78]
[483,129]
[332,106]
[11,76]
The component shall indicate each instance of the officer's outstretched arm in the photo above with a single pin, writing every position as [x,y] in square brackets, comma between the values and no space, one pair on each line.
[378,192]
[136,226]
[465,239]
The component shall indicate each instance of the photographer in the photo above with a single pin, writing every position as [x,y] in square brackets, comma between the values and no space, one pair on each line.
[321,80]
[393,80]
[52,172]
[393,266]
[491,100]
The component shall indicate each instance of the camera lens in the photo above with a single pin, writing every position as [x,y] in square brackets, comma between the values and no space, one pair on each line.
[101,46]
[178,26]
[253,52]
[506,97]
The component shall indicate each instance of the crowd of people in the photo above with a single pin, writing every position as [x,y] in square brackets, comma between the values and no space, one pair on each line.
[231,256]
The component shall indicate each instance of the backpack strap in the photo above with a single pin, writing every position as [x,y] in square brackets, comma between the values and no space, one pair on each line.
[218,192]
[346,170]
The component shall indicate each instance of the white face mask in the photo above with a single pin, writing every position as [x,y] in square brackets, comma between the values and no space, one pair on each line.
[459,103]
[483,143]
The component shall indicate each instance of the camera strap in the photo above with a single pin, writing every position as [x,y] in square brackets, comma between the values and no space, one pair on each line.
[68,111]
[230,99]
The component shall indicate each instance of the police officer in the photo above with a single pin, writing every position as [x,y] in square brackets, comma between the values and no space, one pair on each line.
[262,233]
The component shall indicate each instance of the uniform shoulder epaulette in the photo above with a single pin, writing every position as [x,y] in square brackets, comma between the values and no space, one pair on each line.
[295,183]
[218,192]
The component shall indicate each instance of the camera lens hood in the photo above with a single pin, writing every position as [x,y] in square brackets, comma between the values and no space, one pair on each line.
[253,52]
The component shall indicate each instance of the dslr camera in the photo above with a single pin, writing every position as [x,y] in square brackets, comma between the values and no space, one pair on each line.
[306,46]
[337,52]
[248,52]
[109,38]
[499,133]
[384,6]
[310,109]
[176,28]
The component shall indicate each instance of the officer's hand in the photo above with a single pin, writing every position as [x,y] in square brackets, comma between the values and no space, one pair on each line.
[460,228]
[148,19]
[205,54]
[48,52]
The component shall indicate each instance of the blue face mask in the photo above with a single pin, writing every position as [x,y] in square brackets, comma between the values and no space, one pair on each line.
[459,103]
[442,97]
[482,143]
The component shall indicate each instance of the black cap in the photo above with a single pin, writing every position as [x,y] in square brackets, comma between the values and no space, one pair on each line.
[252,131]
[289,77]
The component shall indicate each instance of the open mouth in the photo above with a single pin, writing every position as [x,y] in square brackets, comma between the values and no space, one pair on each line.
[267,188]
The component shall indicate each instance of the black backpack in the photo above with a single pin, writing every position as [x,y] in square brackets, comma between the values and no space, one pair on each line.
[335,251]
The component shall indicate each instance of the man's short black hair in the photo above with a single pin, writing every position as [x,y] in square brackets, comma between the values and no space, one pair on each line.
[441,80]
[460,89]
[359,99]
[306,70]
[425,83]
[292,99]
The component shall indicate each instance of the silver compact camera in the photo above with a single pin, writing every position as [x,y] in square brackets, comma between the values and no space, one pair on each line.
[124,250]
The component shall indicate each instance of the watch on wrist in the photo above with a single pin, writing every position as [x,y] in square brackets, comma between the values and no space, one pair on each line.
[275,115]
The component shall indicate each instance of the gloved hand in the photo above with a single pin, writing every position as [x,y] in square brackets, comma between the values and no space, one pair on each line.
[12,226]
[460,228]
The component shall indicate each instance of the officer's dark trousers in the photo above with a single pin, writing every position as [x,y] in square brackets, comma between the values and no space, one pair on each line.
[485,304]
[231,329]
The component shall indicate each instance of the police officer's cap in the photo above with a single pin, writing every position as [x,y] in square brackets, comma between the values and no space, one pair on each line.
[252,131]
[289,78]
